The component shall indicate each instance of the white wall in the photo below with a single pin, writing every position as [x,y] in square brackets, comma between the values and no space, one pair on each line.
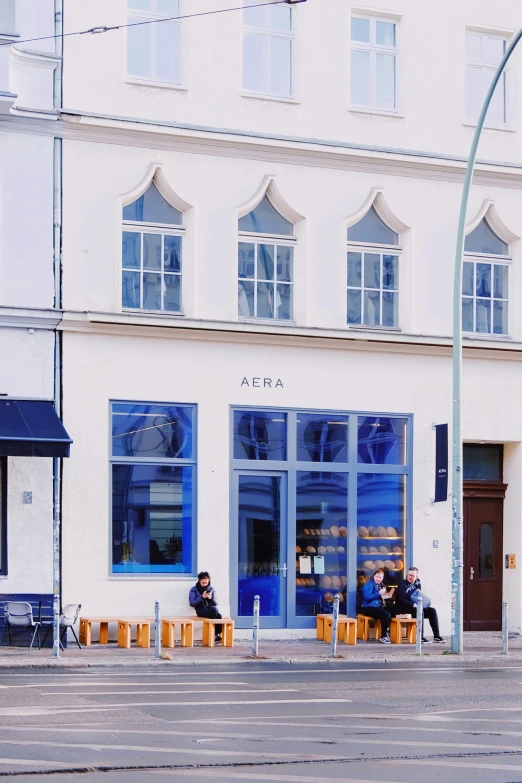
[431,74]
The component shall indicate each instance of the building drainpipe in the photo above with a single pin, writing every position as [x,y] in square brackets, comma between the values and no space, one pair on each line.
[57,270]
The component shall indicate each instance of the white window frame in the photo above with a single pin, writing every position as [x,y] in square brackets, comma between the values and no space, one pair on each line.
[276,240]
[486,68]
[135,15]
[374,48]
[270,33]
[492,260]
[380,250]
[163,230]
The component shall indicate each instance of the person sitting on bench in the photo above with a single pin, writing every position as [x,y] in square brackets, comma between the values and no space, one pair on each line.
[405,604]
[202,598]
[373,594]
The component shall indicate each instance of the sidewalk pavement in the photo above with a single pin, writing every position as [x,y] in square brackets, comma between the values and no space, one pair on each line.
[484,648]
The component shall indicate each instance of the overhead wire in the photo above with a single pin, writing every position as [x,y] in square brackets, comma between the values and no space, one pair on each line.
[97,30]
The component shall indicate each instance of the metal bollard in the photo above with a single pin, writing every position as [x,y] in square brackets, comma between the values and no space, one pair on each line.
[504,628]
[157,630]
[335,623]
[418,640]
[255,626]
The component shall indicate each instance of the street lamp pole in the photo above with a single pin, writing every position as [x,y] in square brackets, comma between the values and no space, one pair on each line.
[457,571]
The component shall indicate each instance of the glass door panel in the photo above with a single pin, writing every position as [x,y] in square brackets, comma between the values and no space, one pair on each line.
[321,541]
[261,536]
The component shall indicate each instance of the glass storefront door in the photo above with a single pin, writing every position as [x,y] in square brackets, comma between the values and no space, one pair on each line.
[261,547]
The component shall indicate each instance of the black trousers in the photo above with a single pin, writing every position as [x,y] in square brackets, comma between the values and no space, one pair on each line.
[211,613]
[430,614]
[379,613]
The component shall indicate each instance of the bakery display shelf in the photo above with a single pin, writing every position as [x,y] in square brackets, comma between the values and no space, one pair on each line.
[392,554]
[380,538]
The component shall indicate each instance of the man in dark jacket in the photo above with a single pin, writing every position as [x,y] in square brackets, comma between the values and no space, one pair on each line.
[202,598]
[405,605]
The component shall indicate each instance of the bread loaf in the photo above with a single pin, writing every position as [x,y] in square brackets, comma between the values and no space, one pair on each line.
[336,582]
[329,598]
[298,550]
[383,550]
[369,564]
[379,564]
[321,550]
[330,549]
[363,550]
[390,531]
[389,564]
[343,531]
[362,531]
[341,549]
[326,581]
[334,530]
[310,550]
[371,530]
[397,550]
[381,531]
[373,550]
[344,581]
[399,565]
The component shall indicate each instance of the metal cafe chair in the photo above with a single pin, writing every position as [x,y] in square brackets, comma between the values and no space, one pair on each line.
[19,614]
[68,620]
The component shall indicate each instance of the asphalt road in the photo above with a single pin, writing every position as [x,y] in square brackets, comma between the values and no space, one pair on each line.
[356,723]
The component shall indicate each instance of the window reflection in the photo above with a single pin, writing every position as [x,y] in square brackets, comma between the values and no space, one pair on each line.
[322,438]
[159,431]
[382,440]
[259,435]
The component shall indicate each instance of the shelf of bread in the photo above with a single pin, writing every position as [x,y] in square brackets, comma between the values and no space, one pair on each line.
[320,550]
[391,565]
[323,582]
[316,532]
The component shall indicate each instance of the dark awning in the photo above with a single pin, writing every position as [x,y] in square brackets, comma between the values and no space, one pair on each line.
[31,428]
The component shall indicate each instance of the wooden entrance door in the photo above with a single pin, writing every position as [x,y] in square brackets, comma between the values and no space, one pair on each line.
[483,525]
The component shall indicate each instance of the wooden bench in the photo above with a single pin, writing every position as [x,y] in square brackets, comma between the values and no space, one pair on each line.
[86,629]
[142,631]
[346,629]
[186,626]
[209,632]
[396,626]
[363,627]
[321,618]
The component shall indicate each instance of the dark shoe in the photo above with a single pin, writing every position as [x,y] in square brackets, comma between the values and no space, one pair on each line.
[425,641]
[218,638]
[438,639]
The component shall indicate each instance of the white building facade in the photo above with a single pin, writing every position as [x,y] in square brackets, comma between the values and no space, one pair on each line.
[257,272]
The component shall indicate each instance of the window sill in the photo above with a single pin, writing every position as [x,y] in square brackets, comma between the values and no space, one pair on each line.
[379,112]
[363,328]
[274,98]
[505,128]
[269,321]
[486,336]
[148,577]
[161,313]
[150,83]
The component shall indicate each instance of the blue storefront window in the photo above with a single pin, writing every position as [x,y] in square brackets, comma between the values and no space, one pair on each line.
[260,435]
[153,475]
[322,438]
[382,440]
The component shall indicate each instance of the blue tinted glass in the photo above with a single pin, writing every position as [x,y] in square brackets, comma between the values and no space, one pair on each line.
[259,544]
[381,517]
[259,435]
[382,440]
[484,240]
[131,249]
[322,438]
[130,289]
[483,463]
[152,208]
[321,532]
[157,431]
[152,516]
[172,253]
[265,219]
[372,229]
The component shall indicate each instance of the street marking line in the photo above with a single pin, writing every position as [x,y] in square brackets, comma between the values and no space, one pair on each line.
[178,693]
[248,774]
[97,683]
[470,764]
[475,709]
[37,763]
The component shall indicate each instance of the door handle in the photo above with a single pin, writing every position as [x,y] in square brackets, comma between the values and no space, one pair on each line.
[471,573]
[284,569]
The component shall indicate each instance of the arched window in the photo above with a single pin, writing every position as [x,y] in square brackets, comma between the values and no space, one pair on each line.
[373,272]
[485,281]
[265,264]
[152,241]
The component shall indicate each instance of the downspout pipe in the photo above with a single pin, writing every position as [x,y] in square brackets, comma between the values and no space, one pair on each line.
[57,270]
[457,533]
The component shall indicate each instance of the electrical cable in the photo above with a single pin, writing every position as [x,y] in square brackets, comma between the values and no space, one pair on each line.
[104,29]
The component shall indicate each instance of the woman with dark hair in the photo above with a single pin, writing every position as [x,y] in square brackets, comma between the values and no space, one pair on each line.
[202,598]
[372,604]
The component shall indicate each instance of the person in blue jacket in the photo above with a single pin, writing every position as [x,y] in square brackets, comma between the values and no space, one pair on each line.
[372,603]
[405,603]
[202,598]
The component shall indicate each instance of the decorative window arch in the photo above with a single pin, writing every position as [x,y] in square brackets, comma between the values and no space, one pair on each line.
[485,280]
[373,251]
[266,246]
[153,234]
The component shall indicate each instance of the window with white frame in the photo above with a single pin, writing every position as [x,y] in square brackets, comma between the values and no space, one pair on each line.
[373,273]
[268,40]
[483,55]
[152,241]
[153,45]
[485,282]
[265,264]
[373,63]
